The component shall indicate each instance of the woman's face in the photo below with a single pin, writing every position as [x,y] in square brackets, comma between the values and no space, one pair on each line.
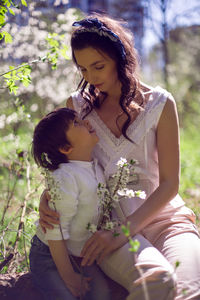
[98,69]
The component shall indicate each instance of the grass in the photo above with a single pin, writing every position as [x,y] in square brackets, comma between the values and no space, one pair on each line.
[190,170]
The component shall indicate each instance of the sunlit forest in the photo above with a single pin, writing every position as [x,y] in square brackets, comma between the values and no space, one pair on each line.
[37,75]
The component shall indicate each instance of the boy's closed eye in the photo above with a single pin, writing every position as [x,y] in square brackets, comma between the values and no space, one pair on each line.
[76,122]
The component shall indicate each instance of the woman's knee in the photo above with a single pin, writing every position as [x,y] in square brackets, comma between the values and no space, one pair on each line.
[157,283]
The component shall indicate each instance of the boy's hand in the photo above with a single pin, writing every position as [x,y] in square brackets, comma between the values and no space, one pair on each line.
[78,285]
[47,215]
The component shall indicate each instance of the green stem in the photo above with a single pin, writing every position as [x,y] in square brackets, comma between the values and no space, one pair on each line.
[24,65]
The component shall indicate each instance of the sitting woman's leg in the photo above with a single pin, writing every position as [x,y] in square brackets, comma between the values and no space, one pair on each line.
[184,250]
[146,272]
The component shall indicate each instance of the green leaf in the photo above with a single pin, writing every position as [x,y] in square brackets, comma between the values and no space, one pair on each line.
[63,52]
[8,38]
[13,89]
[11,11]
[26,70]
[1,36]
[8,75]
[2,19]
[115,234]
[177,264]
[54,66]
[11,67]
[125,231]
[7,3]
[134,245]
[26,82]
[24,2]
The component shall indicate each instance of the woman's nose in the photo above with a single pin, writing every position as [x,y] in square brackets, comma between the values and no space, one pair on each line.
[90,78]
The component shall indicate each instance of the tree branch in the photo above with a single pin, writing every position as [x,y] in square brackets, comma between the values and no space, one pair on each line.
[40,59]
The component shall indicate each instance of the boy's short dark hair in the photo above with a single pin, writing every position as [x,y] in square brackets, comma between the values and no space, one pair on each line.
[50,135]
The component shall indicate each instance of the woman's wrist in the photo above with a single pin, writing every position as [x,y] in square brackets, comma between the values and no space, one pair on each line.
[129,226]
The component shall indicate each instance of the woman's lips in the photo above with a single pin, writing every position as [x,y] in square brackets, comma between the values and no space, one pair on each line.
[98,85]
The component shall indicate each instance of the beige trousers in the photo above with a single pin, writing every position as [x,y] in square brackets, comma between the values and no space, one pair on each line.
[147,275]
[151,274]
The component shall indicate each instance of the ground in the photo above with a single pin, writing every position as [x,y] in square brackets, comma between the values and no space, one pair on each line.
[20,287]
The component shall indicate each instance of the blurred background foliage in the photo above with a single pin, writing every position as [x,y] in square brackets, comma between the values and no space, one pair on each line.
[34,41]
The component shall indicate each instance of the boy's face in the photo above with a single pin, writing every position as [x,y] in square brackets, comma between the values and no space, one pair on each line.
[81,135]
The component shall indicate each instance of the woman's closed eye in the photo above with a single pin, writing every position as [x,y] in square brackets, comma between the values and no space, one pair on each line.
[99,67]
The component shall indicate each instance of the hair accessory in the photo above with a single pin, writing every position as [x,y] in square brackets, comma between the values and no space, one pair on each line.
[94,25]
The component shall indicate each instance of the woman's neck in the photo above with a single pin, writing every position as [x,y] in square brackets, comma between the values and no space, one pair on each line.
[115,94]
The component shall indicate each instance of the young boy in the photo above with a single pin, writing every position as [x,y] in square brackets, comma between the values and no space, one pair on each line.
[63,144]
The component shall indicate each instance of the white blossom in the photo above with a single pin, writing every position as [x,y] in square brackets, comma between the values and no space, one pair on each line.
[115,198]
[140,194]
[92,227]
[126,192]
[121,162]
[47,158]
[109,226]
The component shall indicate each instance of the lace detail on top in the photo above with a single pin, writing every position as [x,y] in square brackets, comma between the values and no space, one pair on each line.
[110,148]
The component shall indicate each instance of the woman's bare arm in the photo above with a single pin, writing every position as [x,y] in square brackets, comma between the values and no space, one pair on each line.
[169,166]
[47,215]
[69,103]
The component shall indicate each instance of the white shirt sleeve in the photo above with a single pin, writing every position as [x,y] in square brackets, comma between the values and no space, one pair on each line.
[66,205]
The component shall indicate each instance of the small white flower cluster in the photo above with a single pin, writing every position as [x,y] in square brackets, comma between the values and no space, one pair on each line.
[130,193]
[109,197]
[51,185]
[91,227]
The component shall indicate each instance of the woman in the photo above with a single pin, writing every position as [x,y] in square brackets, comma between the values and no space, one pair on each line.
[138,122]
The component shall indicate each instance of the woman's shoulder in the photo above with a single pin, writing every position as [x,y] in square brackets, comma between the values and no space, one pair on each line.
[158,101]
[148,90]
[155,97]
[75,101]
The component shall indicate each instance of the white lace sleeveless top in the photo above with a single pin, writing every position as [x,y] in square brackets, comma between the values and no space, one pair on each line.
[143,133]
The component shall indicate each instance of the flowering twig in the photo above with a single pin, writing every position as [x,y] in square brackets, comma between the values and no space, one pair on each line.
[109,197]
[53,188]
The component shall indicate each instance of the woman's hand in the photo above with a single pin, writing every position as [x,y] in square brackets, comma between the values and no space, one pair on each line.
[100,245]
[47,215]
[78,285]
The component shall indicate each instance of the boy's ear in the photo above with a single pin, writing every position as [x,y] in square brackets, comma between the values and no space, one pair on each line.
[66,149]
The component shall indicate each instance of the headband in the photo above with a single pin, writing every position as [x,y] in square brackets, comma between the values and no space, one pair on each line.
[94,25]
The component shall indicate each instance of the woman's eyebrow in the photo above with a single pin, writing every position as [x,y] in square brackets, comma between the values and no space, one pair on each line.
[93,64]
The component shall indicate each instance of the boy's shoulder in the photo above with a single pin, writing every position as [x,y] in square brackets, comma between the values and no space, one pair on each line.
[73,168]
[64,170]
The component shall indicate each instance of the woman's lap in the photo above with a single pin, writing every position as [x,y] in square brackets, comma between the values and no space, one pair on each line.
[175,235]
[183,249]
[125,268]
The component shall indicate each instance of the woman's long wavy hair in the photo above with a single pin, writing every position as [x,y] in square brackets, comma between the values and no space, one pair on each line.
[49,136]
[131,99]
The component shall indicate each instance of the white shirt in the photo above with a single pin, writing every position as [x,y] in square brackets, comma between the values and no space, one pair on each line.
[78,204]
